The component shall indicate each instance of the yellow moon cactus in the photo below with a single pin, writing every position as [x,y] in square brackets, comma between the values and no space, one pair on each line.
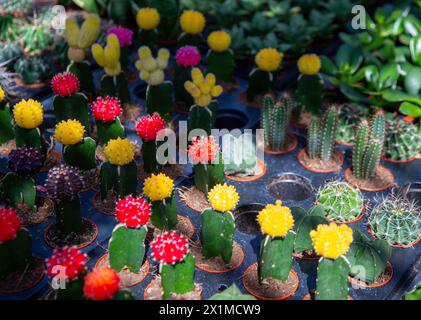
[1,94]
[192,22]
[148,18]
[28,114]
[109,56]
[69,132]
[275,220]
[331,241]
[219,41]
[202,89]
[158,187]
[151,69]
[119,152]
[223,197]
[309,64]
[268,59]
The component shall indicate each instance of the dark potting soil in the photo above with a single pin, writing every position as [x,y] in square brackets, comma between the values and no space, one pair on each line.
[45,209]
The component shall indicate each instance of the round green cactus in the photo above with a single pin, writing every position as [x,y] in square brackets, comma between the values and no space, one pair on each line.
[403,140]
[350,115]
[341,201]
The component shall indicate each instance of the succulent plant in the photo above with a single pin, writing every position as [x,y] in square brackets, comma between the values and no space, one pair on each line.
[341,201]
[25,161]
[239,156]
[192,24]
[232,293]
[402,141]
[6,125]
[9,52]
[36,39]
[15,7]
[350,115]
[275,121]
[148,20]
[32,69]
[396,220]
[9,28]
[220,58]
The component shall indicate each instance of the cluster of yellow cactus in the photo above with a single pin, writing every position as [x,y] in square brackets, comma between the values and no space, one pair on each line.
[202,89]
[223,197]
[109,56]
[148,18]
[192,22]
[1,94]
[119,152]
[331,241]
[28,114]
[219,41]
[151,69]
[81,38]
[309,64]
[268,59]
[275,220]
[158,187]
[69,132]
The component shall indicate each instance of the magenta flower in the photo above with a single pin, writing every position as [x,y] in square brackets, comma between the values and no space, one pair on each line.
[188,56]
[124,35]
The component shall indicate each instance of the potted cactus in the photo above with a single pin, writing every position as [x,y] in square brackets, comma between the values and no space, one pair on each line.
[176,266]
[272,277]
[350,115]
[124,36]
[310,85]
[148,20]
[114,82]
[147,129]
[186,58]
[16,257]
[19,190]
[261,79]
[79,39]
[275,120]
[332,242]
[6,127]
[220,58]
[203,113]
[169,11]
[192,24]
[104,284]
[232,293]
[68,103]
[67,268]
[366,173]
[320,154]
[159,94]
[63,185]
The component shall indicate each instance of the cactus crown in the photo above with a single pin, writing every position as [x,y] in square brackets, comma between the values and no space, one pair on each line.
[10,224]
[219,41]
[69,132]
[124,35]
[152,69]
[65,84]
[119,152]
[148,127]
[223,197]
[158,187]
[275,220]
[73,261]
[331,241]
[192,22]
[101,284]
[106,109]
[268,59]
[309,64]
[396,220]
[169,248]
[133,212]
[85,36]
[28,114]
[203,150]
[187,56]
[148,18]
[202,89]
[64,183]
[402,141]
[109,56]
[25,161]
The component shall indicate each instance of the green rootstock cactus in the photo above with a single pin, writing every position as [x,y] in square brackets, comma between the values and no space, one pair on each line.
[341,201]
[322,135]
[276,121]
[396,220]
[222,65]
[260,83]
[169,11]
[202,118]
[350,115]
[232,293]
[239,155]
[332,279]
[6,126]
[402,141]
[116,86]
[120,179]
[83,71]
[368,258]
[310,93]
[81,155]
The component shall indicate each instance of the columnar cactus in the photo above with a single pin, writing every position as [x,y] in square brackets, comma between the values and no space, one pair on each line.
[119,173]
[6,126]
[322,135]
[176,264]
[396,220]
[203,90]
[192,24]
[127,243]
[159,189]
[74,263]
[147,129]
[310,84]
[403,140]
[18,185]
[15,245]
[68,103]
[261,78]
[341,201]
[349,116]
[275,260]
[208,167]
[114,82]
[218,223]
[106,112]
[275,121]
[159,94]
[148,21]
[63,185]
[79,39]
[78,151]
[125,37]
[332,243]
[220,58]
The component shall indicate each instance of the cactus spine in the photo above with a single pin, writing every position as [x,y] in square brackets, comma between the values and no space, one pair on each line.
[403,140]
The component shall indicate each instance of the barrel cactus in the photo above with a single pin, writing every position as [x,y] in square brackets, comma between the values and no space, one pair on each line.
[32,70]
[403,140]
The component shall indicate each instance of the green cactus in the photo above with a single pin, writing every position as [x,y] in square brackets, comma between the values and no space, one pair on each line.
[361,141]
[341,201]
[127,248]
[81,155]
[164,213]
[169,11]
[72,107]
[31,138]
[239,155]
[186,39]
[36,39]
[403,140]
[68,216]
[222,65]
[331,272]
[148,38]
[276,121]
[217,234]
[396,220]
[116,86]
[19,190]
[109,130]
[6,126]
[159,98]
[310,93]
[120,179]
[16,7]
[9,52]
[349,116]
[83,71]
[378,126]
[232,293]
[206,176]
[150,164]
[178,278]
[202,117]
[181,75]
[368,258]
[322,135]
[260,83]
[9,28]
[32,69]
